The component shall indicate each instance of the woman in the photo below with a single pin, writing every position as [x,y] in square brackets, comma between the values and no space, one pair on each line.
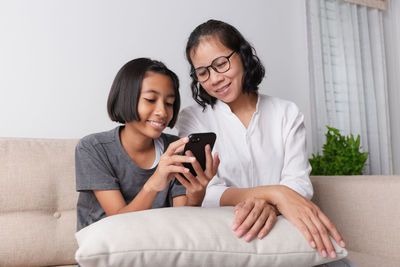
[264,169]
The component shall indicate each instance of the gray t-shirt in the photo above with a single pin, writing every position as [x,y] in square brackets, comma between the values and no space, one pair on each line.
[101,163]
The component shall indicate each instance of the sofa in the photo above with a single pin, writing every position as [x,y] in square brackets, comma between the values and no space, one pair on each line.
[38,207]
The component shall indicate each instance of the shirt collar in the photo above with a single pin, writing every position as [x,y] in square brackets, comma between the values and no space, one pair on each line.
[220,105]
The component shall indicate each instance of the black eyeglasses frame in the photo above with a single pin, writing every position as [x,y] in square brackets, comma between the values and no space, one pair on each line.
[193,73]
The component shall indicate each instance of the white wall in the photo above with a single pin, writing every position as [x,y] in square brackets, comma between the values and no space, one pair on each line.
[58,57]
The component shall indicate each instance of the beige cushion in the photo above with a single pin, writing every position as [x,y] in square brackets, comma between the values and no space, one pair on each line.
[190,236]
[37,202]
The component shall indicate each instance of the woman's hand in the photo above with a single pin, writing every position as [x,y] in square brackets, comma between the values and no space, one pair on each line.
[196,186]
[314,225]
[170,164]
[254,217]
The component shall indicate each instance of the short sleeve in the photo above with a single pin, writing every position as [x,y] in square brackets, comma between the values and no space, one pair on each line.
[92,170]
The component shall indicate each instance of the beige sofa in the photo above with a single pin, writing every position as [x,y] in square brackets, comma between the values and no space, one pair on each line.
[38,199]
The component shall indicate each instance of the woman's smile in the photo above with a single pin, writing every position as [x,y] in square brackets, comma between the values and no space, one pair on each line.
[224,90]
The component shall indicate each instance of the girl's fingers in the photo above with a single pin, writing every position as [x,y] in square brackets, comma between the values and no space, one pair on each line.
[177,145]
[196,165]
[212,163]
[215,164]
[179,149]
[182,180]
[177,169]
[177,159]
[201,177]
[192,180]
[209,159]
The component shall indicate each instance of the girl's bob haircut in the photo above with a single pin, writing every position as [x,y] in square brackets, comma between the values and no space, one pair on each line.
[230,37]
[125,91]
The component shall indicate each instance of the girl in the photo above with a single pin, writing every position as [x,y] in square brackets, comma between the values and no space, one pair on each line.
[264,170]
[131,167]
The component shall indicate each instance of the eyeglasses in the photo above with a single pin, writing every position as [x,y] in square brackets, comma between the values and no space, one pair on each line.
[220,65]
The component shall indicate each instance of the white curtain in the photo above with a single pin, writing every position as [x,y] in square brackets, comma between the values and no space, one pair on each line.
[348,77]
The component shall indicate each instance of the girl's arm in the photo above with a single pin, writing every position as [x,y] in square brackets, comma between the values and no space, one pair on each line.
[179,201]
[114,203]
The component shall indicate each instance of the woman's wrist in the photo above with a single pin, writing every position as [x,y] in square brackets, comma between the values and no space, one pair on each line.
[273,194]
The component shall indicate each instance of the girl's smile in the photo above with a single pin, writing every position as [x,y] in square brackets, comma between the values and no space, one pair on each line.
[157,125]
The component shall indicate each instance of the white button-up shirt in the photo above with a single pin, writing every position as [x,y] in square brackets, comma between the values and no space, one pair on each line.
[271,151]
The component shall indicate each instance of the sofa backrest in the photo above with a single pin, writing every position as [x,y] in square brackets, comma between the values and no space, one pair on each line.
[37,202]
[366,211]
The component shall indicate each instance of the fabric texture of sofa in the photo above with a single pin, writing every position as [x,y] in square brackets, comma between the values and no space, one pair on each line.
[38,207]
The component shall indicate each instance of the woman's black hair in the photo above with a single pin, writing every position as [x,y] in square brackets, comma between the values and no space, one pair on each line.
[230,37]
[125,91]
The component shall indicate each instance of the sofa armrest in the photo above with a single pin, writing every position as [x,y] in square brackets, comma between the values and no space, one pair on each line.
[365,210]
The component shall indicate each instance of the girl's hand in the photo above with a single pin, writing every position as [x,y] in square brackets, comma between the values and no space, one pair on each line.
[254,217]
[314,225]
[170,164]
[196,186]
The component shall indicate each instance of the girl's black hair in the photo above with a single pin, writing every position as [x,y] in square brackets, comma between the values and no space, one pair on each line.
[230,37]
[125,91]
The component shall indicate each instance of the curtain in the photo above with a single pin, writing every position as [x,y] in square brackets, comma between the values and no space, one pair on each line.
[348,77]
[380,4]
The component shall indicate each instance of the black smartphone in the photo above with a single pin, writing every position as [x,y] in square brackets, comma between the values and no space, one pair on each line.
[196,144]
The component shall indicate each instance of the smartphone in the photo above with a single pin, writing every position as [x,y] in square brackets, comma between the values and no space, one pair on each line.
[196,144]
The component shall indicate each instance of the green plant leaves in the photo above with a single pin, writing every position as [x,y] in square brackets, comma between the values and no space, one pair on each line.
[340,155]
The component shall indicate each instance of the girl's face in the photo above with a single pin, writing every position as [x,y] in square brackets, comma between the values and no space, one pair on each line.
[227,86]
[155,106]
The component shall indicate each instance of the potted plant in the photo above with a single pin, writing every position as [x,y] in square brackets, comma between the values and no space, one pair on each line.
[340,155]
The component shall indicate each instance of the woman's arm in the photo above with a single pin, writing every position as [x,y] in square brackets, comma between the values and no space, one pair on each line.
[314,225]
[233,196]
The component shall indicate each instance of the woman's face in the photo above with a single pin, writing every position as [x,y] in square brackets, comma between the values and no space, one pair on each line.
[155,106]
[227,86]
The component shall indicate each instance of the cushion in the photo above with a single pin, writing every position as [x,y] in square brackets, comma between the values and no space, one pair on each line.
[190,236]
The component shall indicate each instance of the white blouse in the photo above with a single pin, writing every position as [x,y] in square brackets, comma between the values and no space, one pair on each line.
[272,150]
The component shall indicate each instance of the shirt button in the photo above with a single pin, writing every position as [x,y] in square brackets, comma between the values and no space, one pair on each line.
[57,215]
